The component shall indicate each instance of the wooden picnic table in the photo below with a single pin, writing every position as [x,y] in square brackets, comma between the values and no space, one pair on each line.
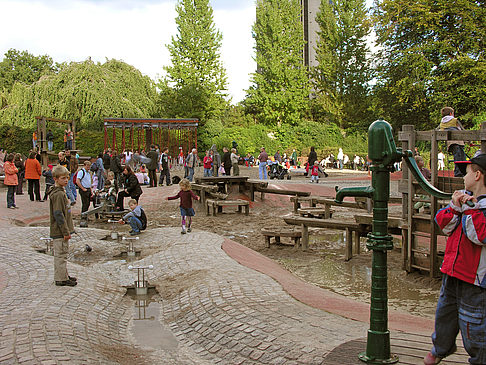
[253,185]
[224,181]
[352,230]
[203,190]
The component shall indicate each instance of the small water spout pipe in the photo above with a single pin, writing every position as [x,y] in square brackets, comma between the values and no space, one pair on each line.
[363,191]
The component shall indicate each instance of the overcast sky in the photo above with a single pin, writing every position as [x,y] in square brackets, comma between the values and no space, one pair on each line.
[135,31]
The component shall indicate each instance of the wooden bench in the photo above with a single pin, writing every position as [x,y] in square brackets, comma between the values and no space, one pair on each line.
[312,212]
[268,233]
[328,203]
[352,230]
[252,185]
[281,192]
[298,200]
[216,206]
[203,190]
[395,224]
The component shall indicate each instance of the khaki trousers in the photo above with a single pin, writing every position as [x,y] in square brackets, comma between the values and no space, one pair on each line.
[60,256]
[236,169]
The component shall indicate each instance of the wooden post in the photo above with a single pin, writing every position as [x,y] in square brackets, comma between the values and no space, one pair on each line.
[305,237]
[105,138]
[327,211]
[433,264]
[73,130]
[357,242]
[407,210]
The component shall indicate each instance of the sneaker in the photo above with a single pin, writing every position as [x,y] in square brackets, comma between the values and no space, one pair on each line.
[183,231]
[16,207]
[431,359]
[66,283]
[134,233]
[12,207]
[189,229]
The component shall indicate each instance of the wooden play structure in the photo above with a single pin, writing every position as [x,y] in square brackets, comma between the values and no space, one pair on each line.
[141,133]
[42,134]
[420,233]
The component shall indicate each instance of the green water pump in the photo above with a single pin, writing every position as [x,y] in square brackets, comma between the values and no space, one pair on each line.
[383,154]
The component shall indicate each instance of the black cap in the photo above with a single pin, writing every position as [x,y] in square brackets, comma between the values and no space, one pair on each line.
[479,160]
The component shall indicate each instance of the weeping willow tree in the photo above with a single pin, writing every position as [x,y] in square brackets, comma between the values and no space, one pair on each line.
[85,92]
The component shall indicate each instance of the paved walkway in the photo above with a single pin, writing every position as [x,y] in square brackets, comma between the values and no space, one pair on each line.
[209,308]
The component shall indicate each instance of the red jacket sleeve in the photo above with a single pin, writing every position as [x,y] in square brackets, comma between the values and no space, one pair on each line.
[175,196]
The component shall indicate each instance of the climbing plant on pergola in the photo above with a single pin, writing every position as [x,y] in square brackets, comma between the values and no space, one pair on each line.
[139,134]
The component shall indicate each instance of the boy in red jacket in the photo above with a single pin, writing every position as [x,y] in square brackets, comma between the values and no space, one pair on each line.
[462,300]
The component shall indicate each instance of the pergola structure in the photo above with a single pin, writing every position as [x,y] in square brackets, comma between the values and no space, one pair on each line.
[42,135]
[141,133]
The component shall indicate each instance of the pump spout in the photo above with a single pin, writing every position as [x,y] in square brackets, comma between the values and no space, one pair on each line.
[363,191]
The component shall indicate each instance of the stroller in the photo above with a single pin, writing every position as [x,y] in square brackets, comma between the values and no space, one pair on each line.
[278,171]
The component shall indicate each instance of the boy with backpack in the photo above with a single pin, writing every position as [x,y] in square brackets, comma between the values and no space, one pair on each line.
[136,218]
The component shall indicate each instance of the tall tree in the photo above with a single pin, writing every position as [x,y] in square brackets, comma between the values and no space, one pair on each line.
[343,74]
[196,83]
[23,67]
[280,90]
[432,55]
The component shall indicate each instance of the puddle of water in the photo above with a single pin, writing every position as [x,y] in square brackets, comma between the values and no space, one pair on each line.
[146,328]
[353,278]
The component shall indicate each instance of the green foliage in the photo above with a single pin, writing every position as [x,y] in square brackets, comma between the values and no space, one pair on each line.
[326,138]
[195,85]
[90,142]
[432,56]
[85,92]
[280,91]
[14,139]
[23,67]
[342,76]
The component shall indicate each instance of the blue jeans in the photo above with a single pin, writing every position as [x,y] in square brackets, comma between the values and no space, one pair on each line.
[101,180]
[11,195]
[190,173]
[71,189]
[262,170]
[135,223]
[207,172]
[50,145]
[461,306]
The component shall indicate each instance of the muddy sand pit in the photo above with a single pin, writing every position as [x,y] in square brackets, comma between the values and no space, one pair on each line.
[322,264]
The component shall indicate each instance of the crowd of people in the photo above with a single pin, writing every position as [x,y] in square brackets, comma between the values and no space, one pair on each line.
[128,170]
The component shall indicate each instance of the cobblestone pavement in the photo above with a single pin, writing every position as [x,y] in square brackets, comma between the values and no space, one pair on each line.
[219,311]
[210,309]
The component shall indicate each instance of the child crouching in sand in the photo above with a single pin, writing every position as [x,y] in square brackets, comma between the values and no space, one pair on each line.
[186,195]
